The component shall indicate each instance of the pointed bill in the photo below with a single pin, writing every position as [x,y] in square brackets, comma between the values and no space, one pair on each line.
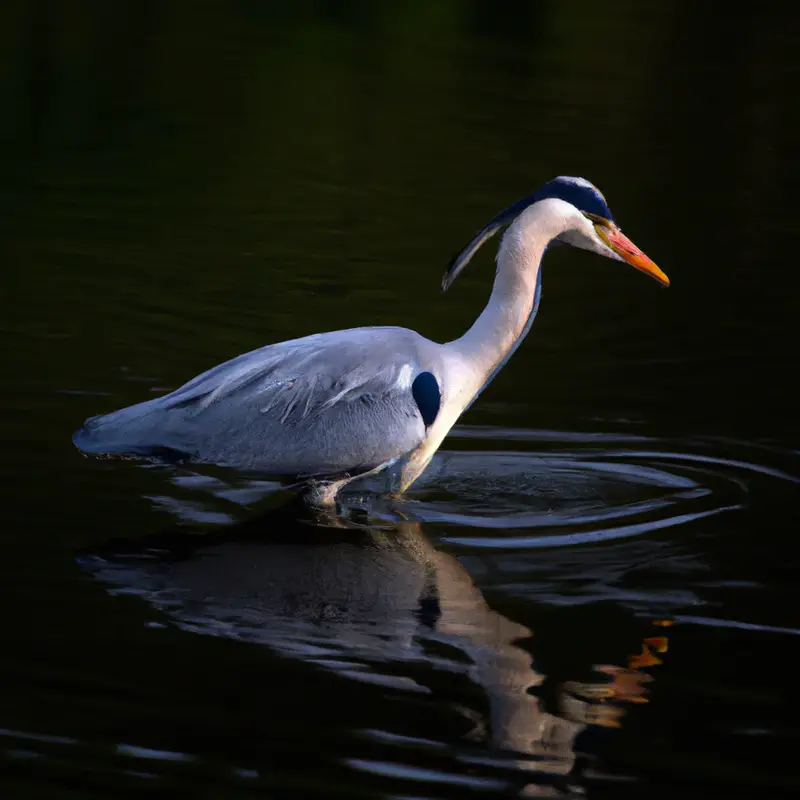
[629,252]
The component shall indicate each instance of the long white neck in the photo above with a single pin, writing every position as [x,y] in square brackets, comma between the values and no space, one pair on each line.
[482,350]
[506,319]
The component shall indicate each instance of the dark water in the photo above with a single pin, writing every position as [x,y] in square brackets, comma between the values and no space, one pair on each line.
[592,590]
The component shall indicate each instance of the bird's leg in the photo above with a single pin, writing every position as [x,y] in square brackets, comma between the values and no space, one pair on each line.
[322,494]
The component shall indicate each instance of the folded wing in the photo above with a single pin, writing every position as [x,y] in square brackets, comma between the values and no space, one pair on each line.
[323,405]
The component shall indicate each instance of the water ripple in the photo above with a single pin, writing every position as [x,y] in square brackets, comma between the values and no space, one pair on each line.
[578,488]
[536,488]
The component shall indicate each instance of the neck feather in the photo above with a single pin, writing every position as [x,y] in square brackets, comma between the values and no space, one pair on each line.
[507,318]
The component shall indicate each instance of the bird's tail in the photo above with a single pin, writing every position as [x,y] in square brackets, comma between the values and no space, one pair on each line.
[136,431]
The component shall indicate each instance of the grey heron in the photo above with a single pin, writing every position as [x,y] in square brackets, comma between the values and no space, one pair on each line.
[331,407]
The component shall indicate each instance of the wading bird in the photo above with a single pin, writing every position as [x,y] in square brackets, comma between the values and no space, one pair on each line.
[328,408]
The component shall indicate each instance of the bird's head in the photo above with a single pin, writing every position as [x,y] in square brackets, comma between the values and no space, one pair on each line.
[591,227]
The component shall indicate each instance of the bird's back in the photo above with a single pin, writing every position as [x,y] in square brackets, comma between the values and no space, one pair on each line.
[323,405]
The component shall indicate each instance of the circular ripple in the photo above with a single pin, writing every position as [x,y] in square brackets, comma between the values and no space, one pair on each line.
[537,488]
[578,488]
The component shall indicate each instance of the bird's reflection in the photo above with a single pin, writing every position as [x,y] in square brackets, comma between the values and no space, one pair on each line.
[378,603]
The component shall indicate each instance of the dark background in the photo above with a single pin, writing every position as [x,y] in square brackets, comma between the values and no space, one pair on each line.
[182,182]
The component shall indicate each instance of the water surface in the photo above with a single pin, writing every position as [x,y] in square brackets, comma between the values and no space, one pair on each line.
[591,590]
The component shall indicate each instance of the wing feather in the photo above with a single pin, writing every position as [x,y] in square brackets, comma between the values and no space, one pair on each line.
[322,404]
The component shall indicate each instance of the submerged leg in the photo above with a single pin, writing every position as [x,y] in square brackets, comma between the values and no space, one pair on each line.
[322,494]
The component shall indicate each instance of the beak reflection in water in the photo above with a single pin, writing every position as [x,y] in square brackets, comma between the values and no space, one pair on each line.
[384,606]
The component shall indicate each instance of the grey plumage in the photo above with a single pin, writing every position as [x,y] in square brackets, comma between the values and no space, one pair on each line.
[306,407]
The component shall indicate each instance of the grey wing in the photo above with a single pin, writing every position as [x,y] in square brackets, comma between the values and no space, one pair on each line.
[341,402]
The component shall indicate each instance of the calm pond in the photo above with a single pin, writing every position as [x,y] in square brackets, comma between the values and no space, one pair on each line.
[593,589]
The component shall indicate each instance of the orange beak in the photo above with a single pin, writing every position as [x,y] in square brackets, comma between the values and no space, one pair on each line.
[629,252]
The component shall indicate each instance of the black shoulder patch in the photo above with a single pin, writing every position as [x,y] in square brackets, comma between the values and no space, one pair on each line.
[427,396]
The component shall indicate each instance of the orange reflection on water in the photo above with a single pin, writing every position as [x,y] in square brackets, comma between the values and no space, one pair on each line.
[602,702]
